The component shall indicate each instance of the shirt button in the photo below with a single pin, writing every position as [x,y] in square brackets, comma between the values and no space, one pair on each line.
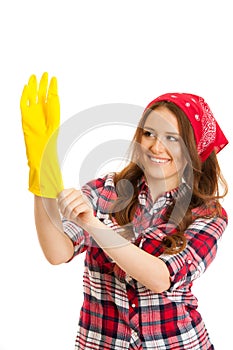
[189,261]
[133,305]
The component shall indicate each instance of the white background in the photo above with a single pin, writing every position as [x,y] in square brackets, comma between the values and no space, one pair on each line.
[101,52]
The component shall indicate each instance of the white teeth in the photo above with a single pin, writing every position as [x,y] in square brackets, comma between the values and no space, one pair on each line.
[157,160]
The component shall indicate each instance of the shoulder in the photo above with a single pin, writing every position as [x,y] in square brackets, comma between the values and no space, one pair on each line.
[205,226]
[214,211]
[100,190]
[100,183]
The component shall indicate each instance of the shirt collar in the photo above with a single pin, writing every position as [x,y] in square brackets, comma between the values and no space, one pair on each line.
[168,196]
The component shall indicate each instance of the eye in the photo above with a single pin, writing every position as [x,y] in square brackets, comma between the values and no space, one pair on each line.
[148,133]
[172,138]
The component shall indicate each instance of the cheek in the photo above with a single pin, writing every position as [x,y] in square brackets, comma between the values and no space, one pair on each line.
[177,154]
[175,150]
[141,148]
[180,164]
[144,143]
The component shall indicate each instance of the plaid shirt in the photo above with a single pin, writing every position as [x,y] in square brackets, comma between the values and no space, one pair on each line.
[120,313]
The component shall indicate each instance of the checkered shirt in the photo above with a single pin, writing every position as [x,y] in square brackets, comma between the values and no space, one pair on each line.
[119,312]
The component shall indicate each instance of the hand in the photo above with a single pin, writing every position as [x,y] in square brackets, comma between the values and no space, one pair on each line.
[75,206]
[40,110]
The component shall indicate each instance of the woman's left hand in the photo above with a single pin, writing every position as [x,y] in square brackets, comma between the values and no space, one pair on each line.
[75,206]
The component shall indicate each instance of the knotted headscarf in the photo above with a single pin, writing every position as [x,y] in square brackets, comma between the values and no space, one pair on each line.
[208,134]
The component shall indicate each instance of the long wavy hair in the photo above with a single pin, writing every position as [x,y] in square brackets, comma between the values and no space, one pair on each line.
[206,180]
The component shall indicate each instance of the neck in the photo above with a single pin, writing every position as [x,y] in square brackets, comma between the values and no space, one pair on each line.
[158,187]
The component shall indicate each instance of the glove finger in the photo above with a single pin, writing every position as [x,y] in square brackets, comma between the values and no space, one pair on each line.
[43,85]
[32,89]
[53,116]
[53,90]
[24,101]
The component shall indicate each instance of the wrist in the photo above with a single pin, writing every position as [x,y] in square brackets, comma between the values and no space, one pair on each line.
[105,237]
[45,182]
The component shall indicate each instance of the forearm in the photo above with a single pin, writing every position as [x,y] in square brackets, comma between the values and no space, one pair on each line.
[57,247]
[150,271]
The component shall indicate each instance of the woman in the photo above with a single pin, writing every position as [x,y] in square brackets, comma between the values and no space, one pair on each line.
[148,231]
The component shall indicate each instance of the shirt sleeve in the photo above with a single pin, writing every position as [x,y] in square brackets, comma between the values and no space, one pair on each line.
[78,236]
[81,238]
[202,236]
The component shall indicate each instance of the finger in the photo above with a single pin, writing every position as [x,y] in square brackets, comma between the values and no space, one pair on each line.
[67,205]
[53,89]
[69,208]
[70,201]
[32,89]
[75,209]
[66,197]
[43,86]
[64,193]
[79,209]
[53,116]
[24,101]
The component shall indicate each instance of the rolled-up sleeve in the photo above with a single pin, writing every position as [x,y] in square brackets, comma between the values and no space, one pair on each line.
[78,236]
[81,238]
[202,241]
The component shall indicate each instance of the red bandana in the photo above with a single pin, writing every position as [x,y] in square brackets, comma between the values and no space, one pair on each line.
[209,136]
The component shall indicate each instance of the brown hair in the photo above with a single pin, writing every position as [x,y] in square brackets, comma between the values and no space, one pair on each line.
[206,178]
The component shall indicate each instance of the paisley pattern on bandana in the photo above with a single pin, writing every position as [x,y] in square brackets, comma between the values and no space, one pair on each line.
[208,127]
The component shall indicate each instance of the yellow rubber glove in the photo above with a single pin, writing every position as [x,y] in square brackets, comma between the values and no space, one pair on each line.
[40,110]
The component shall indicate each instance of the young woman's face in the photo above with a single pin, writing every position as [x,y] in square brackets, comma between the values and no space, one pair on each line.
[162,157]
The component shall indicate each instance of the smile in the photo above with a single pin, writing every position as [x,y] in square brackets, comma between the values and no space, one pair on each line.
[159,160]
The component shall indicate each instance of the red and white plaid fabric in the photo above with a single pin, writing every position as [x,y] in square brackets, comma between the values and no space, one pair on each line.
[120,313]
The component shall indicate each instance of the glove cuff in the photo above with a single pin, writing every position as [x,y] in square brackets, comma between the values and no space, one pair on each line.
[46,181]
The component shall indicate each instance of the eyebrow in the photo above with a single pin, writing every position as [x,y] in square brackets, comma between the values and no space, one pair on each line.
[166,132]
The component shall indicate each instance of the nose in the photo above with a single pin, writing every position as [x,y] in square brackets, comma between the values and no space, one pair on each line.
[157,146]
